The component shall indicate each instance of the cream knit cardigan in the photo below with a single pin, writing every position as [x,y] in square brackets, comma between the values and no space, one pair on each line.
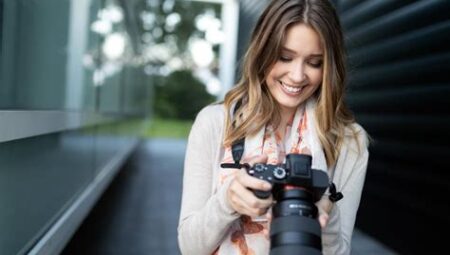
[205,213]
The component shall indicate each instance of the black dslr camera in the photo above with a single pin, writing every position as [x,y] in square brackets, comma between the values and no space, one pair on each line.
[295,187]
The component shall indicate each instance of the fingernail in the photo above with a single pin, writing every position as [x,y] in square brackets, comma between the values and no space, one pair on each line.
[267,186]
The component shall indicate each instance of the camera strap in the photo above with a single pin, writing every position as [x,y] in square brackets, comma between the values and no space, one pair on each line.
[237,148]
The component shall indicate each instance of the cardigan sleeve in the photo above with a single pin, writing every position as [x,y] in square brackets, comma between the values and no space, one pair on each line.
[336,237]
[205,217]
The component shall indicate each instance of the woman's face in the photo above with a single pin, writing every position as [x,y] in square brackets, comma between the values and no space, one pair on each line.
[297,73]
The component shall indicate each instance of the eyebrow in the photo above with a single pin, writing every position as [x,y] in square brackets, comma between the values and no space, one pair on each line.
[294,52]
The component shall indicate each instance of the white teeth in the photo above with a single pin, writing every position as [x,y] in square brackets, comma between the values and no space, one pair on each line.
[290,88]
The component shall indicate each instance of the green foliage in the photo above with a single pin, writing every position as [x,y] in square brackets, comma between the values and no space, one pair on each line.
[180,96]
[159,128]
[143,128]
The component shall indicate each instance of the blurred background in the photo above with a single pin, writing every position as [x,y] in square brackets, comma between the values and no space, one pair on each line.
[97,98]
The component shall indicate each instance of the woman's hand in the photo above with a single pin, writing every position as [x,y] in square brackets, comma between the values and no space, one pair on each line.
[324,207]
[242,199]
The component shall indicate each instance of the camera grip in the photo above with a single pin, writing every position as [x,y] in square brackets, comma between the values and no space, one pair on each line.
[262,194]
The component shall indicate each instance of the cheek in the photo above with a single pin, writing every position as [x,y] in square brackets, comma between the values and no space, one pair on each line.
[317,78]
[271,85]
[275,71]
[272,78]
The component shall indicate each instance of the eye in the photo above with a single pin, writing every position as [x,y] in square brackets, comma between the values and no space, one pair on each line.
[284,59]
[316,64]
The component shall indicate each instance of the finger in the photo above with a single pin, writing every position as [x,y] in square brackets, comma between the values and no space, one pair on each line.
[240,188]
[251,162]
[323,220]
[245,198]
[240,206]
[245,208]
[266,203]
[269,216]
[235,197]
[266,233]
[251,182]
[324,205]
[259,206]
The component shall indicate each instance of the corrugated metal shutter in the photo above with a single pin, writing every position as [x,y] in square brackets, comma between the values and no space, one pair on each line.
[399,84]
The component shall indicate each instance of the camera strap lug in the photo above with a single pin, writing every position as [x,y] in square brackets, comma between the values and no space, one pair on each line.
[334,195]
[234,165]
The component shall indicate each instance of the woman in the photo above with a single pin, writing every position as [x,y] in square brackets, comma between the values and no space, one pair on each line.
[290,99]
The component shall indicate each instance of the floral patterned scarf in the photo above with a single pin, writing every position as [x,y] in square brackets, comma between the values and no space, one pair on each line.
[245,236]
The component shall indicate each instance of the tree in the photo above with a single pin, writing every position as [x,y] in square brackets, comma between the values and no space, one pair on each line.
[180,95]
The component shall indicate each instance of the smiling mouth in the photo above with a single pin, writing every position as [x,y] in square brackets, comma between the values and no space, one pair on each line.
[290,89]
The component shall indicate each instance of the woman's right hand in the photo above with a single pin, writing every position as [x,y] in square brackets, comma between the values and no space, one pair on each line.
[242,199]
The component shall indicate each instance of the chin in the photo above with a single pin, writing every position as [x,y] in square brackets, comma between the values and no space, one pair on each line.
[289,106]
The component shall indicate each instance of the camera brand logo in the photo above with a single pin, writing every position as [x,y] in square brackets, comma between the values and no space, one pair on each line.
[299,206]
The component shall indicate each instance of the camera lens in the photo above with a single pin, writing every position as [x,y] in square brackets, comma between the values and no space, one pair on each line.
[294,228]
[297,202]
[287,237]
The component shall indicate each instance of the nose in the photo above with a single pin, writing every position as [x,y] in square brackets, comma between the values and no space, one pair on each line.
[297,73]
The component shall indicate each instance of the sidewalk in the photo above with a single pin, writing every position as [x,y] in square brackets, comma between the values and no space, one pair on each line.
[138,214]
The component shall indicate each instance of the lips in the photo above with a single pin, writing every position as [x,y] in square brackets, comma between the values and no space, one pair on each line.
[290,90]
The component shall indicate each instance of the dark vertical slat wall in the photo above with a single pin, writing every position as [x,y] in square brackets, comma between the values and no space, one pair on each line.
[249,12]
[399,90]
[1,25]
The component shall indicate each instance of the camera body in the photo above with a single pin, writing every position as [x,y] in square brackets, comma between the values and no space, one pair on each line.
[295,188]
[296,172]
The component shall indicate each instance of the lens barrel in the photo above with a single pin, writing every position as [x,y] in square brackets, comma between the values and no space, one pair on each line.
[294,228]
[295,235]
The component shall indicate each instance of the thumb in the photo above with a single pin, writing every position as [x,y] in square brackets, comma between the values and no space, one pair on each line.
[323,219]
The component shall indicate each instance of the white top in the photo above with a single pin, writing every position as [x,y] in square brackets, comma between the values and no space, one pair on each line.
[205,213]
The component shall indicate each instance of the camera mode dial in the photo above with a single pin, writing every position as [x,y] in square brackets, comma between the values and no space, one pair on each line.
[279,173]
[259,168]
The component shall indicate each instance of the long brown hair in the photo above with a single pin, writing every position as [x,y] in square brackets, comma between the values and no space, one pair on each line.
[258,106]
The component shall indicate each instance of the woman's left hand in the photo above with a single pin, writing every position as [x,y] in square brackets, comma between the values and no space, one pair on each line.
[324,207]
